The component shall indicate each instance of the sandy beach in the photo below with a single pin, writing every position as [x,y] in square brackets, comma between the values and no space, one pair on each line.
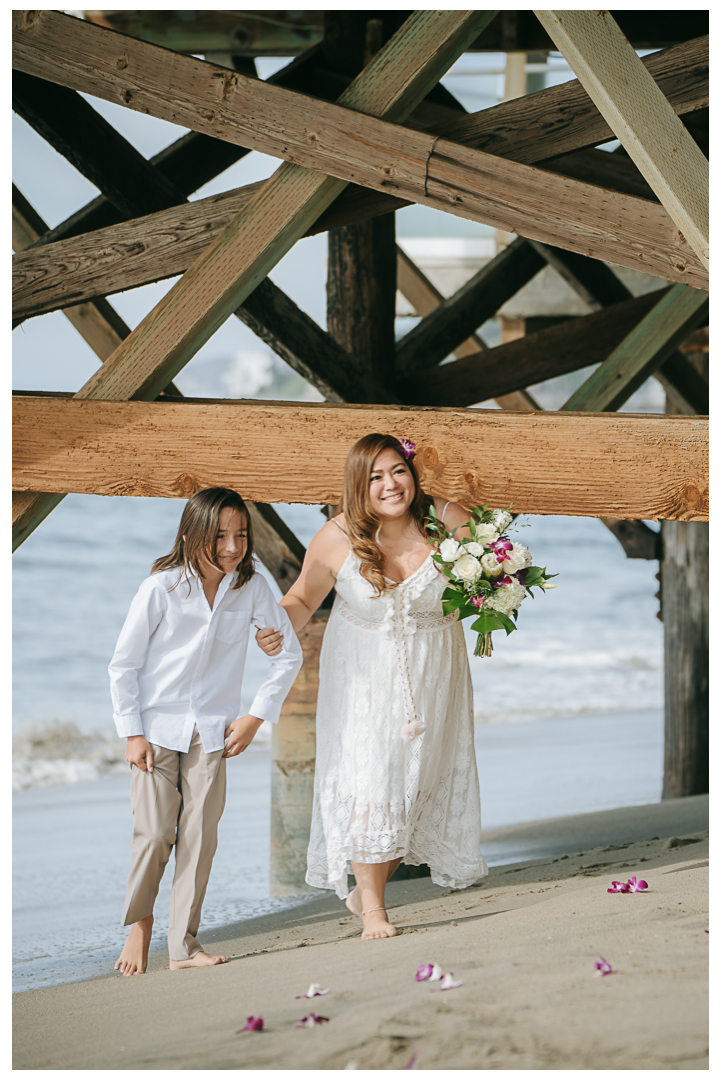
[523,942]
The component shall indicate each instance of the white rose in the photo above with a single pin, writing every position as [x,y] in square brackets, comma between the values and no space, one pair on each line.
[491,566]
[501,519]
[507,598]
[467,568]
[518,558]
[450,550]
[475,549]
[488,534]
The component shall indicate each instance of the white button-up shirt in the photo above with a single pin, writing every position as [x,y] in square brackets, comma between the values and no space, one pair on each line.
[178,664]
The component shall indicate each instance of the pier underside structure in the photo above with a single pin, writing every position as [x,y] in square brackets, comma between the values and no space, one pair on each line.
[362,127]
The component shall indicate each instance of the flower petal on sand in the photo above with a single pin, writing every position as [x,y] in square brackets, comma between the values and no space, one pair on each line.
[314,990]
[634,885]
[448,982]
[603,967]
[312,1020]
[428,973]
[411,1063]
[254,1023]
[619,886]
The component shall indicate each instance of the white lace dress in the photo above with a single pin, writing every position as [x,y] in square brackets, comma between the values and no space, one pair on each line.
[377,796]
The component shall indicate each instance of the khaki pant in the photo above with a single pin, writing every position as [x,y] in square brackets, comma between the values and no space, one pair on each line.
[179,803]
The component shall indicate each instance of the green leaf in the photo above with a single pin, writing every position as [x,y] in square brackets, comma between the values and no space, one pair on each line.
[493,620]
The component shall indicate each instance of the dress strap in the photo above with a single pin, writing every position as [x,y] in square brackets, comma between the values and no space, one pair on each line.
[442,519]
[341,529]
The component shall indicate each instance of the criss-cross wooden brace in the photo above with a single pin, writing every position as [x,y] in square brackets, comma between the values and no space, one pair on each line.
[103,330]
[392,84]
[640,116]
[361,148]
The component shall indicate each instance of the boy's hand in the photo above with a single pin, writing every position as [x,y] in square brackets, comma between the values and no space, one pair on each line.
[138,751]
[270,640]
[240,734]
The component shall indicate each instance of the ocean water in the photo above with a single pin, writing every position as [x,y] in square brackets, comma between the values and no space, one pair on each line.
[591,645]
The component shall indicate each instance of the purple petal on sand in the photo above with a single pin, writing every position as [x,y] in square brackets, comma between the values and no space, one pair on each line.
[314,990]
[411,1063]
[312,1020]
[448,982]
[603,967]
[619,886]
[428,973]
[254,1023]
[634,885]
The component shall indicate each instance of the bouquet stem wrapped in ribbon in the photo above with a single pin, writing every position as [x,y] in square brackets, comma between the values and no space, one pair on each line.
[488,574]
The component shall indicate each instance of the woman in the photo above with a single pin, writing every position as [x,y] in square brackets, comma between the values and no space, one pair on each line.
[387,788]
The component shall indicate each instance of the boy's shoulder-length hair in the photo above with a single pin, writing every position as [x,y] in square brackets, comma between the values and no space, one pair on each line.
[198,532]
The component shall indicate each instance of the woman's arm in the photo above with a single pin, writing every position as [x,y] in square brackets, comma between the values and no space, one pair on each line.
[325,555]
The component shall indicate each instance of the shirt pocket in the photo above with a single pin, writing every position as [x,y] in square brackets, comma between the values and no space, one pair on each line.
[233,627]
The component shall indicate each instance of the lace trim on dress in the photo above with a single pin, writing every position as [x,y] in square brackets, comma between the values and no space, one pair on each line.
[425,620]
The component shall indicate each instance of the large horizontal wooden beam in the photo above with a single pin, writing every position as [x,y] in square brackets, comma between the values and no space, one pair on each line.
[358,148]
[611,464]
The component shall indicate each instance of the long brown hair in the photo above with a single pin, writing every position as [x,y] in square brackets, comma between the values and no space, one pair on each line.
[198,532]
[363,526]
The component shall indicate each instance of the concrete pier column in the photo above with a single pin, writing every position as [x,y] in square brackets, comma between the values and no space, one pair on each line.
[293,770]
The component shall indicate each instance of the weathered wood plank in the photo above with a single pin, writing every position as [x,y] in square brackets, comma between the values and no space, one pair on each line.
[640,115]
[359,148]
[613,171]
[615,464]
[424,297]
[656,336]
[459,315]
[568,346]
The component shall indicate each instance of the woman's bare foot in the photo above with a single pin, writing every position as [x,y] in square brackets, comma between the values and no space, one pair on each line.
[134,956]
[353,903]
[376,925]
[200,959]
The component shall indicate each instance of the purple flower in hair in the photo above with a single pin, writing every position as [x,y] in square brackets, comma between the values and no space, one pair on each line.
[407,449]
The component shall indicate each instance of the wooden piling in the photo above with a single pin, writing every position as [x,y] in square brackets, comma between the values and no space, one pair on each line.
[293,770]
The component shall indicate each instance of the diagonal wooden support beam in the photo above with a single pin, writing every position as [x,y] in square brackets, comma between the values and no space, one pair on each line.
[599,287]
[640,353]
[363,149]
[425,298]
[552,463]
[459,315]
[532,359]
[640,116]
[221,279]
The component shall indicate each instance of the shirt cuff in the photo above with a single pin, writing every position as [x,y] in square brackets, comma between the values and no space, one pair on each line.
[128,724]
[265,710]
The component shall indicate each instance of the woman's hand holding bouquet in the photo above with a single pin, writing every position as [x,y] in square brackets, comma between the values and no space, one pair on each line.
[489,575]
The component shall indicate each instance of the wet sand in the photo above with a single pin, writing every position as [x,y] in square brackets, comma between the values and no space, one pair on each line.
[524,942]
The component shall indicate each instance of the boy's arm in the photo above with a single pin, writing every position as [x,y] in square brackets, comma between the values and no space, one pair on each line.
[285,665]
[146,611]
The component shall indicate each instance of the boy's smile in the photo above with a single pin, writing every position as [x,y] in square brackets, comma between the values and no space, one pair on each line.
[230,546]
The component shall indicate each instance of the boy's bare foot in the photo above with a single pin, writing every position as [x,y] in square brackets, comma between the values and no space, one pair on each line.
[134,956]
[352,903]
[200,959]
[377,926]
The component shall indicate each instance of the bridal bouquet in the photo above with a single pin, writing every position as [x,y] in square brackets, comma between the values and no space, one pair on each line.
[489,575]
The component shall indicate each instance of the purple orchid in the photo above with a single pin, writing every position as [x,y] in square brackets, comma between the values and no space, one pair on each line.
[520,574]
[603,967]
[477,601]
[505,579]
[411,1063]
[314,990]
[634,885]
[407,449]
[254,1023]
[312,1020]
[501,549]
[448,982]
[619,886]
[428,973]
